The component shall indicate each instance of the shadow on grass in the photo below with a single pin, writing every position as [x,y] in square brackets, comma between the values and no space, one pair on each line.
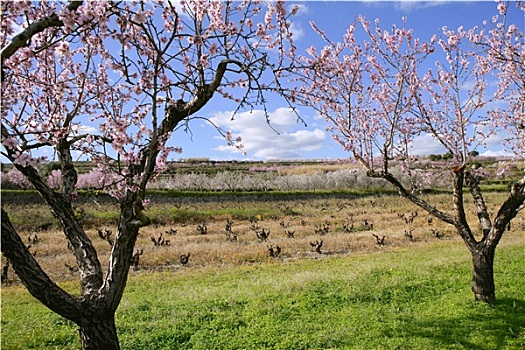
[501,326]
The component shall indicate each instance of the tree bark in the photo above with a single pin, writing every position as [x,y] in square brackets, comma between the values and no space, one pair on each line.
[483,274]
[33,277]
[99,333]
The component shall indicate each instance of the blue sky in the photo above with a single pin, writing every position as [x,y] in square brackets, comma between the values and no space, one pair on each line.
[294,140]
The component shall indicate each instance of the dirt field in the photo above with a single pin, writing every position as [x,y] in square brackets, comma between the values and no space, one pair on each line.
[227,231]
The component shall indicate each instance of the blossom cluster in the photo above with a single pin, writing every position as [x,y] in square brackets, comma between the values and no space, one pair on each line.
[379,95]
[114,79]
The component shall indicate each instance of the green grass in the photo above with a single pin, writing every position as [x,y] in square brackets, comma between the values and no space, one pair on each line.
[416,298]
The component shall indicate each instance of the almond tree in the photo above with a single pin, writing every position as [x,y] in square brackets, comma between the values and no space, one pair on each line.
[379,95]
[112,81]
[504,45]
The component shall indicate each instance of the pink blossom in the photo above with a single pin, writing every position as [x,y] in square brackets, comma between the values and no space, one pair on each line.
[62,49]
[140,17]
[68,18]
[213,49]
[261,30]
[10,142]
[22,159]
[196,40]
[15,177]
[54,180]
[502,8]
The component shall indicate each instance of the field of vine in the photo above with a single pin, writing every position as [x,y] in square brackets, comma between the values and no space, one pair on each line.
[198,230]
[280,271]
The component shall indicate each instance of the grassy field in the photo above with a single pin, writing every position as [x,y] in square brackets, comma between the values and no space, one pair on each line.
[357,294]
[407,298]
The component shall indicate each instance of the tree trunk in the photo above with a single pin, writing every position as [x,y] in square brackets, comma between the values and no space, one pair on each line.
[99,333]
[483,274]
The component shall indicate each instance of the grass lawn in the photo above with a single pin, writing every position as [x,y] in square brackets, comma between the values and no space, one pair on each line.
[407,298]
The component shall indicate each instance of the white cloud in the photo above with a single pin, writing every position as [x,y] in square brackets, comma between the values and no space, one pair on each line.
[426,144]
[297,31]
[492,146]
[295,28]
[84,129]
[282,139]
[500,153]
[406,5]
[497,139]
[410,5]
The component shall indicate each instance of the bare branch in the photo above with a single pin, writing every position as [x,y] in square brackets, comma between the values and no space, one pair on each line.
[507,212]
[34,278]
[483,215]
[461,223]
[85,253]
[417,200]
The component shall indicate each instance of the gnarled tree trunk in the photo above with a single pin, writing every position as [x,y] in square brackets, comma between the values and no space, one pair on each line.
[483,274]
[483,250]
[98,333]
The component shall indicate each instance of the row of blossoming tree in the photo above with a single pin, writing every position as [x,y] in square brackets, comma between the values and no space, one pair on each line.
[378,95]
[135,72]
[138,71]
[427,176]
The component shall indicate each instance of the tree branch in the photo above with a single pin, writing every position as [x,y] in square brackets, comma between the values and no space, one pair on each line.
[418,201]
[85,254]
[184,109]
[69,173]
[34,278]
[461,223]
[483,215]
[34,28]
[507,212]
[120,259]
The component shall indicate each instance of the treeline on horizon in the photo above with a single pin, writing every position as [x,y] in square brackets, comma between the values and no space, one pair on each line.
[196,161]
